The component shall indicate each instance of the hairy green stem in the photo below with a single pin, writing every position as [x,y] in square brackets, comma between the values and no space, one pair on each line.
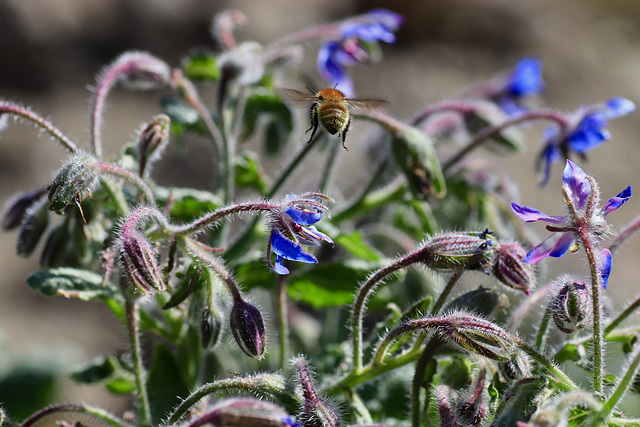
[621,386]
[418,378]
[133,320]
[283,321]
[93,411]
[131,177]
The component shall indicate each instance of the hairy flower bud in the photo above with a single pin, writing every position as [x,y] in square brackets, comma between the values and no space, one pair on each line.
[248,329]
[315,412]
[459,251]
[245,412]
[75,182]
[152,140]
[17,208]
[210,327]
[139,262]
[571,306]
[447,418]
[509,268]
[34,224]
[472,409]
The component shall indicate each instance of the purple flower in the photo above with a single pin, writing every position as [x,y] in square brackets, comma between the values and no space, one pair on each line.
[525,80]
[582,195]
[356,43]
[586,130]
[291,227]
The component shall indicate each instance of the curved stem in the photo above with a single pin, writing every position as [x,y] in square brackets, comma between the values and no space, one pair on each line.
[446,291]
[12,109]
[133,320]
[621,386]
[218,214]
[93,411]
[627,231]
[621,317]
[131,177]
[418,378]
[487,132]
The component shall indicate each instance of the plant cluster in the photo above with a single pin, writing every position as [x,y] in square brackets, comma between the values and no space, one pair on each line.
[302,313]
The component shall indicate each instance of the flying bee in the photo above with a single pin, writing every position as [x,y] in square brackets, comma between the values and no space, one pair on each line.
[330,108]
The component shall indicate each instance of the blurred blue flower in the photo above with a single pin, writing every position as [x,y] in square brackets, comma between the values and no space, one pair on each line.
[292,227]
[525,80]
[580,192]
[586,130]
[356,43]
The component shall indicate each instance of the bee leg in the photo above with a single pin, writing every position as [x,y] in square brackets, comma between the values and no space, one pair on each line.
[314,122]
[344,133]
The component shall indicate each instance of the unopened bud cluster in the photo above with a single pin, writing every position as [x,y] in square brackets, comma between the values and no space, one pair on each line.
[75,182]
[245,412]
[459,251]
[248,328]
[509,268]
[152,140]
[571,305]
[139,263]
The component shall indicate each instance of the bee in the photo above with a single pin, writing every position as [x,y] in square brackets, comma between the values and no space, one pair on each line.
[330,108]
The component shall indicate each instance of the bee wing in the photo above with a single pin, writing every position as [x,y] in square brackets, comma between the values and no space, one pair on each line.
[294,95]
[366,104]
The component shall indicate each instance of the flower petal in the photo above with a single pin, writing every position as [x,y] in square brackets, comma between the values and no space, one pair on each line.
[604,265]
[618,107]
[303,217]
[526,78]
[530,214]
[577,183]
[312,231]
[617,201]
[555,245]
[290,250]
[279,267]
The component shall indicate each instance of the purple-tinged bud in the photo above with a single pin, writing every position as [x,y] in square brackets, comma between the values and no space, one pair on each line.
[459,251]
[472,409]
[210,327]
[75,182]
[315,412]
[17,207]
[248,329]
[34,224]
[571,306]
[138,70]
[515,368]
[152,140]
[224,24]
[139,262]
[447,418]
[245,412]
[509,268]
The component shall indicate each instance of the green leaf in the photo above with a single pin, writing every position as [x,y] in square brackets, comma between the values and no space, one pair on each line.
[570,352]
[249,172]
[187,203]
[28,388]
[72,283]
[166,385]
[357,247]
[481,301]
[201,66]
[108,370]
[266,103]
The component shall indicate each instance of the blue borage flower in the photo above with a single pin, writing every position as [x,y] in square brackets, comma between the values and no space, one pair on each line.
[586,130]
[525,80]
[292,226]
[356,43]
[582,194]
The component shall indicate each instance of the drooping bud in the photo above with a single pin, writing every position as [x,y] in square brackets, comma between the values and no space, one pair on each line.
[315,412]
[509,268]
[34,224]
[245,412]
[447,418]
[75,182]
[459,251]
[571,305]
[17,207]
[515,368]
[472,409]
[248,329]
[152,140]
[210,327]
[139,262]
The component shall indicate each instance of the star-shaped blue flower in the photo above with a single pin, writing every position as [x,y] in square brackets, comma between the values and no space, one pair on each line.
[587,130]
[358,38]
[292,229]
[582,195]
[525,80]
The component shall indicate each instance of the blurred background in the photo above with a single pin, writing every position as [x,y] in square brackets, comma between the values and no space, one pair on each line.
[50,52]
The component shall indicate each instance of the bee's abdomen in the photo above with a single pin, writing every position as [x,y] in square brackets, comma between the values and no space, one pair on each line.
[334,117]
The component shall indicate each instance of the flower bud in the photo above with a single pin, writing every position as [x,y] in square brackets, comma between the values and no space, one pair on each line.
[248,329]
[17,207]
[571,306]
[447,418]
[152,140]
[34,224]
[472,409]
[459,251]
[75,182]
[315,410]
[245,412]
[515,368]
[139,263]
[210,327]
[509,268]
